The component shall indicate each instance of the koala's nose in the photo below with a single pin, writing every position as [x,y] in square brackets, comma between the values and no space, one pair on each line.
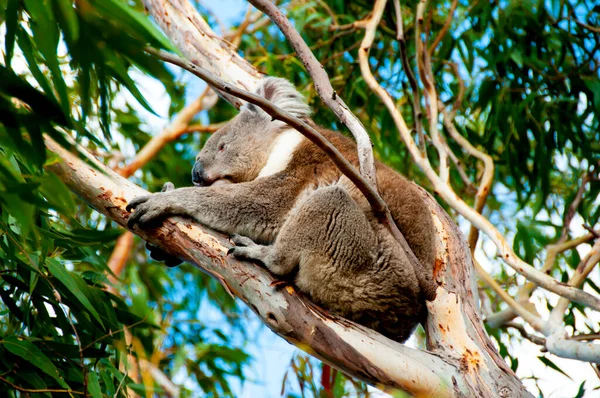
[198,175]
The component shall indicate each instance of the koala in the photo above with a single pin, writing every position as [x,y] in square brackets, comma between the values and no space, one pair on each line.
[287,206]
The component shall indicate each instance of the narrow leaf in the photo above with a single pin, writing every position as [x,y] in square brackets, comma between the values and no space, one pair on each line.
[33,355]
[68,281]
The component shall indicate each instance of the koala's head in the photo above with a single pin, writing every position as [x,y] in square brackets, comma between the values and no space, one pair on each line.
[239,150]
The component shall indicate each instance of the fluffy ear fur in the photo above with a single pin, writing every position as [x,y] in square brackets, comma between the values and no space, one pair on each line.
[283,94]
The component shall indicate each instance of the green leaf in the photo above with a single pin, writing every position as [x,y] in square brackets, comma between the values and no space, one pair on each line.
[13,11]
[46,37]
[94,385]
[68,19]
[552,365]
[132,19]
[117,66]
[65,277]
[13,85]
[33,355]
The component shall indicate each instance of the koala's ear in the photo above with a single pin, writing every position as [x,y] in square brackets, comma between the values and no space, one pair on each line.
[283,94]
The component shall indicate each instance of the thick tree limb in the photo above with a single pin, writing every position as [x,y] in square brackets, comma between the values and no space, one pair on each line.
[356,350]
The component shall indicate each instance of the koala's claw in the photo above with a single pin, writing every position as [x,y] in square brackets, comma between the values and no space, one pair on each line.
[246,249]
[148,210]
[135,202]
[240,240]
[168,186]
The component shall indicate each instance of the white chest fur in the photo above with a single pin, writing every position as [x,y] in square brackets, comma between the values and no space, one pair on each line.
[281,153]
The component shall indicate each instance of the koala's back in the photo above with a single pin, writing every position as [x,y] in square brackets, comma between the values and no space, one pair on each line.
[402,196]
[348,262]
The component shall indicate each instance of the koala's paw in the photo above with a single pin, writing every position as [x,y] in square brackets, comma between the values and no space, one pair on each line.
[246,249]
[149,210]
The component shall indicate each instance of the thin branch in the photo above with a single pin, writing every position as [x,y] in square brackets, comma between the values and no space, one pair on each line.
[552,251]
[572,209]
[324,88]
[500,318]
[461,89]
[585,337]
[459,167]
[174,130]
[444,29]
[235,38]
[427,78]
[416,102]
[203,128]
[399,24]
[584,268]
[39,390]
[119,257]
[536,322]
[531,337]
[485,185]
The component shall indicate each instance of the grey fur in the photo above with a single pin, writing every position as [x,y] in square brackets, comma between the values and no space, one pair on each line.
[307,220]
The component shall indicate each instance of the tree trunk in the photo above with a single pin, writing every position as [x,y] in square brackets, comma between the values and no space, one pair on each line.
[460,360]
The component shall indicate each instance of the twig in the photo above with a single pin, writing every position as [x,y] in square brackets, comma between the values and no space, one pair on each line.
[235,37]
[444,29]
[427,78]
[119,256]
[174,130]
[399,25]
[536,322]
[459,167]
[552,251]
[461,89]
[584,268]
[585,337]
[499,318]
[531,337]
[203,128]
[324,88]
[416,102]
[40,390]
[487,178]
[572,210]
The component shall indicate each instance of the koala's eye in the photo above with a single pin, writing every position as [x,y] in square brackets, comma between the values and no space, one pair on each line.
[221,147]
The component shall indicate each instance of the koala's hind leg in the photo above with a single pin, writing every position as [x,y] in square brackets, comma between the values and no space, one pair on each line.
[327,236]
